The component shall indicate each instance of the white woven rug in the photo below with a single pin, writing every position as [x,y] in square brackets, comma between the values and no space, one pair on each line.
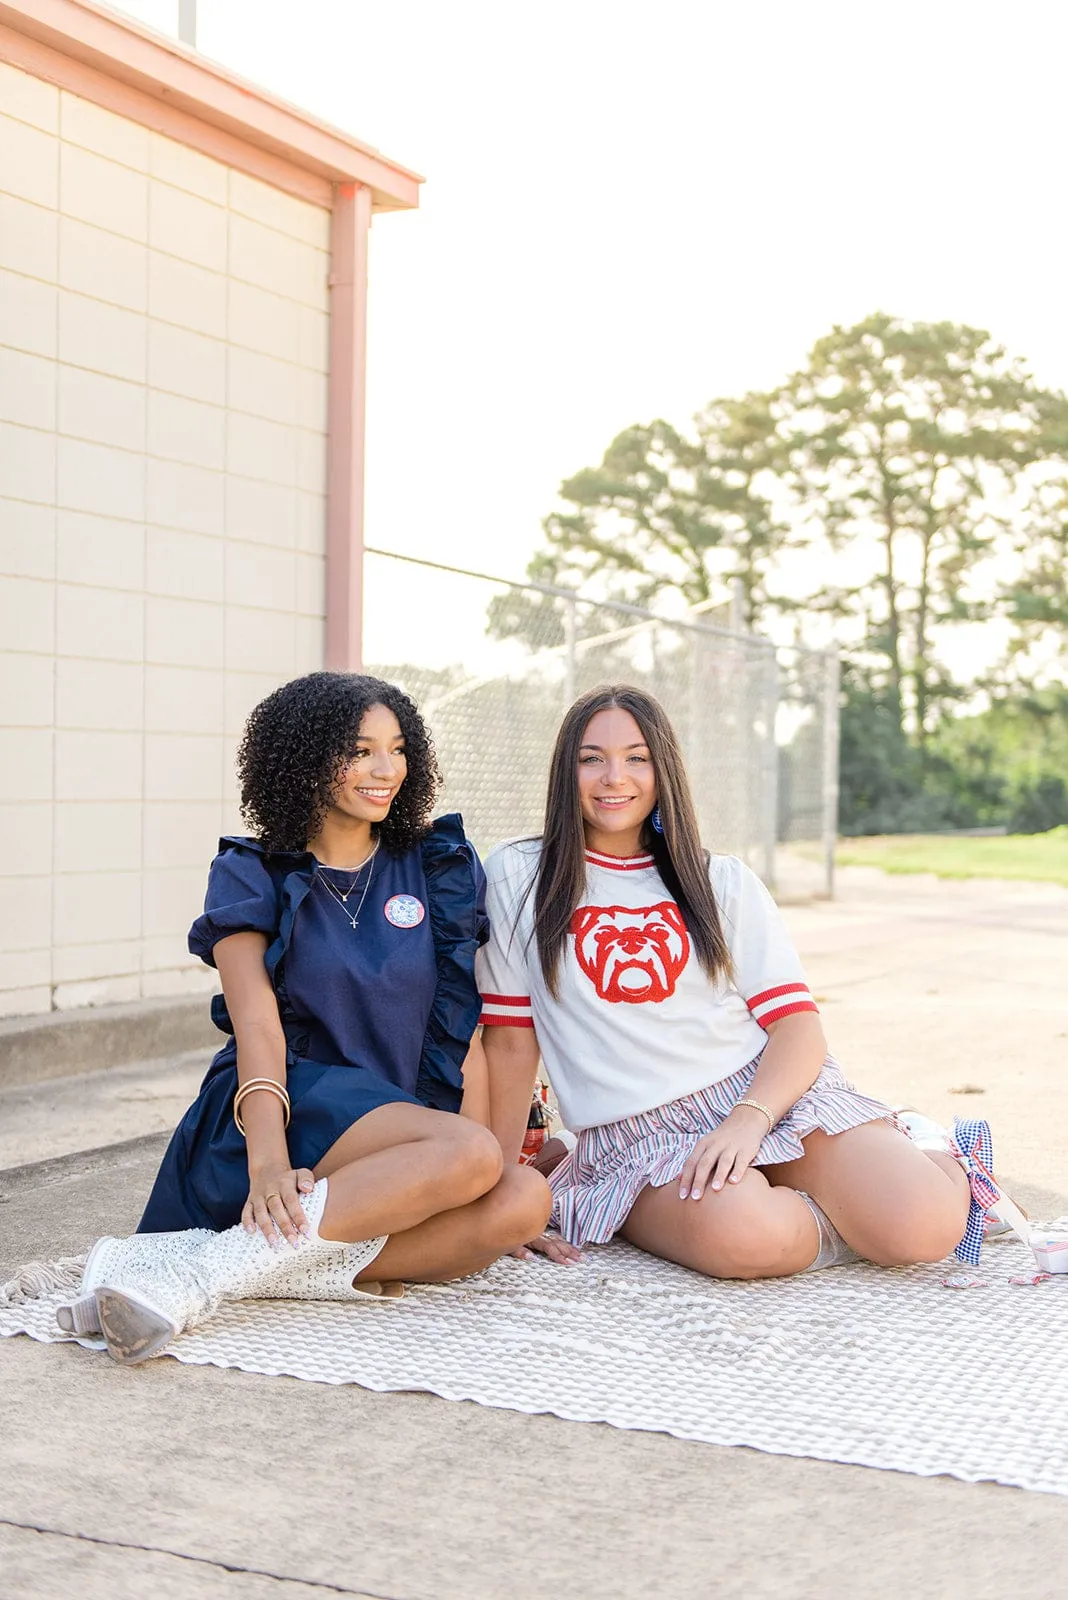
[856,1364]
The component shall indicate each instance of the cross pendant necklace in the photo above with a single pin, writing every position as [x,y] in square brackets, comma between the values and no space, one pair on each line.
[354,919]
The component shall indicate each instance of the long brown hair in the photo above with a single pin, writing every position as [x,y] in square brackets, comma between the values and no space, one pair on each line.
[680,858]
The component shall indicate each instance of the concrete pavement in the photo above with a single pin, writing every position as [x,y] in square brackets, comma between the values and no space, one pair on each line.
[175,1481]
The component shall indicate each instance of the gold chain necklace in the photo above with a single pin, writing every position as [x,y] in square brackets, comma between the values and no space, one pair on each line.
[368,857]
[341,899]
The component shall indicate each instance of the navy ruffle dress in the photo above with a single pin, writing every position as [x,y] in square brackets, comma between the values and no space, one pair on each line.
[379,1013]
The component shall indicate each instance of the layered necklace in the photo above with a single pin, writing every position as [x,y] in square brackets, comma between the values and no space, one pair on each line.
[340,898]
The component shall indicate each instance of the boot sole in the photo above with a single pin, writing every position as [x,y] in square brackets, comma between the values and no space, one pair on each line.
[81,1316]
[132,1326]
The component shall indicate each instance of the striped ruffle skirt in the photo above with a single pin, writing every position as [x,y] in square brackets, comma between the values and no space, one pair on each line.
[596,1185]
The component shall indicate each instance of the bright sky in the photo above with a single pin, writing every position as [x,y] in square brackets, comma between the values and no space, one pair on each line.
[633,206]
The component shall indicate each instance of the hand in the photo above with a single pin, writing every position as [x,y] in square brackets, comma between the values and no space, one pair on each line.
[273,1203]
[551,1245]
[725,1154]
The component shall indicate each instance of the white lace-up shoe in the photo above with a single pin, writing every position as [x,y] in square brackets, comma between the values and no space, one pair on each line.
[923,1130]
[1000,1213]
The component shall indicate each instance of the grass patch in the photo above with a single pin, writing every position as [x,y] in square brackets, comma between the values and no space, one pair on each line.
[1042,857]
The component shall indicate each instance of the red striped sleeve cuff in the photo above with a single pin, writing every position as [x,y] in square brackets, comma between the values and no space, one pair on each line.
[506,1011]
[771,1005]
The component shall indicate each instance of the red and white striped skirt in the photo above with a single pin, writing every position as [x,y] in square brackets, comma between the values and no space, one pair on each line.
[595,1187]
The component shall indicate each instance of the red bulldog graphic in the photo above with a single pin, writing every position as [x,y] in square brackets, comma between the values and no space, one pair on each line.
[631,954]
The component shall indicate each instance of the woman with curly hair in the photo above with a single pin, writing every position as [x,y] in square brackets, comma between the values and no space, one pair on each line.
[321,1151]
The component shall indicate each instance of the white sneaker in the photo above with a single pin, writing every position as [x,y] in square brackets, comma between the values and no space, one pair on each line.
[923,1130]
[993,1213]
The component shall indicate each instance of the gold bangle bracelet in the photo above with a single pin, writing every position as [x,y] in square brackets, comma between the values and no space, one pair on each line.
[270,1084]
[251,1087]
[758,1105]
[260,1083]
[241,1125]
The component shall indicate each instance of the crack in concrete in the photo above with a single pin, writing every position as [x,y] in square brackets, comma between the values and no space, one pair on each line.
[321,1585]
[83,1163]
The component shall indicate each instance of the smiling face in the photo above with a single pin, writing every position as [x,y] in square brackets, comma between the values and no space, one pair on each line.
[378,766]
[616,781]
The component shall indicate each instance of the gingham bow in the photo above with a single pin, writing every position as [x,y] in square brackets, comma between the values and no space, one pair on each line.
[971,1141]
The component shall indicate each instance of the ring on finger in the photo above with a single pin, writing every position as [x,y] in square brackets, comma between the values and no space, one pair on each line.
[274,1195]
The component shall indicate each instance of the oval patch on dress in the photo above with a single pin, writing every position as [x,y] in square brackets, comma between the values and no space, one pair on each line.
[405,911]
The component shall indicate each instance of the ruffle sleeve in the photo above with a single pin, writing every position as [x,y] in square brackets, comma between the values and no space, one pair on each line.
[456,898]
[241,898]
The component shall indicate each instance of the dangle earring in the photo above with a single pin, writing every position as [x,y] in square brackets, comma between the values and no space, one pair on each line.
[657,824]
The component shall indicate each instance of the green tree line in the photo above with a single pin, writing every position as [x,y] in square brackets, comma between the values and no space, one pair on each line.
[909,482]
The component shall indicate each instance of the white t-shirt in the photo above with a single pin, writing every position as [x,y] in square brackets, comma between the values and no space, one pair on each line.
[637,1022]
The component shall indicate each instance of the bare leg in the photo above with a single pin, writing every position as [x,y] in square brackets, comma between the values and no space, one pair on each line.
[895,1204]
[549,1157]
[465,1240]
[747,1230]
[401,1164]
[401,1169]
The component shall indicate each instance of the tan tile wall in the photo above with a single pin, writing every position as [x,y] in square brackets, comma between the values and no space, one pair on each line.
[163,355]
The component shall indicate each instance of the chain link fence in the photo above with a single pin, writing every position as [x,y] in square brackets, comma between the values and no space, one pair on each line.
[494,664]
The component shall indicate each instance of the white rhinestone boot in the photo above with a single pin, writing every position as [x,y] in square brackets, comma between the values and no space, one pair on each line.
[81,1316]
[327,1277]
[146,1297]
[147,1289]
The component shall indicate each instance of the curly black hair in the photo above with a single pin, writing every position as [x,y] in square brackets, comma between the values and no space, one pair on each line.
[297,744]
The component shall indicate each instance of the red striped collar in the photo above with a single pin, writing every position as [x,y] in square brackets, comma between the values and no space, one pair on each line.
[620,863]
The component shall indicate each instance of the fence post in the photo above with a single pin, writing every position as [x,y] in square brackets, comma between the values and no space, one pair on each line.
[736,607]
[832,674]
[570,652]
[695,744]
[771,766]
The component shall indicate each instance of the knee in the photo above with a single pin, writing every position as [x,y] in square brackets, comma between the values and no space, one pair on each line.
[926,1240]
[530,1203]
[474,1159]
[768,1247]
[917,1233]
[518,1208]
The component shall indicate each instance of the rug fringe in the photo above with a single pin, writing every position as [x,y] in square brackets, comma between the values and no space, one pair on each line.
[39,1279]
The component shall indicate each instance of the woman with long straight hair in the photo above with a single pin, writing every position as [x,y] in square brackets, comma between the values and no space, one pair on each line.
[658,984]
[322,1152]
